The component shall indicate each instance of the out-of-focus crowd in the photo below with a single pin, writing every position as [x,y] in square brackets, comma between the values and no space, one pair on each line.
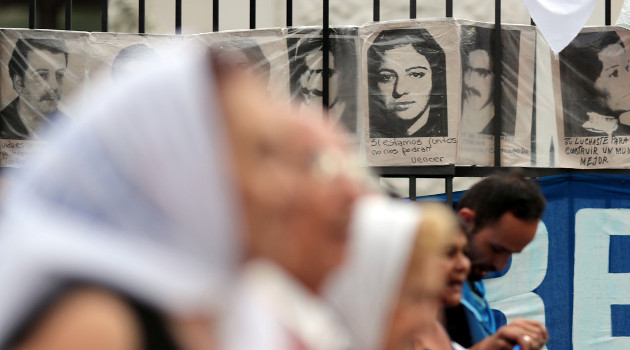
[186,209]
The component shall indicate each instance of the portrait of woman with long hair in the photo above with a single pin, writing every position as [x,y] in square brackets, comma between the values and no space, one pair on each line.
[407,85]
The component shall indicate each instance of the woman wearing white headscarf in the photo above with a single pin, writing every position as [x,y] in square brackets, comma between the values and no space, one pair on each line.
[129,210]
[387,287]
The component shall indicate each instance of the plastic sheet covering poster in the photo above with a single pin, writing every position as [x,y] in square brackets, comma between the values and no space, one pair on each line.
[305,46]
[592,81]
[575,275]
[39,70]
[410,66]
[262,50]
[476,132]
[116,55]
[544,133]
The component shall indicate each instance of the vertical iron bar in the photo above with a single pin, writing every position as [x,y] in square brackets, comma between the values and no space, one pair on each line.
[215,15]
[497,62]
[289,13]
[533,145]
[607,14]
[178,16]
[376,16]
[68,15]
[32,7]
[413,9]
[141,11]
[552,156]
[449,8]
[412,188]
[325,53]
[252,14]
[104,15]
[448,183]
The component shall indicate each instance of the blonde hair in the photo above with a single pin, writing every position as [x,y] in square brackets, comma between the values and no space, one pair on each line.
[424,279]
[437,225]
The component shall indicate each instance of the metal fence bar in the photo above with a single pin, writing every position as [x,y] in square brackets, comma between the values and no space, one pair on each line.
[449,8]
[32,7]
[412,188]
[141,11]
[607,12]
[413,9]
[444,171]
[533,144]
[104,15]
[448,189]
[215,15]
[289,13]
[178,16]
[252,14]
[68,25]
[325,52]
[376,15]
[497,67]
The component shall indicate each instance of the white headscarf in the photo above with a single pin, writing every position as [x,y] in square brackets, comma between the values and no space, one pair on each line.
[365,289]
[135,195]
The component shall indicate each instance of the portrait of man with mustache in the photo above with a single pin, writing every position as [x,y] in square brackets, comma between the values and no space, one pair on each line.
[37,69]
[478,85]
[477,50]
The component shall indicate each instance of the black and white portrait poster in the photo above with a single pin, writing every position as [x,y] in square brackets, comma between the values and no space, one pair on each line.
[410,117]
[592,81]
[39,72]
[263,51]
[476,131]
[116,55]
[305,47]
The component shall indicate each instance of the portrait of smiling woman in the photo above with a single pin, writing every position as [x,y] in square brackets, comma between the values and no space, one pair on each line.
[407,85]
[595,75]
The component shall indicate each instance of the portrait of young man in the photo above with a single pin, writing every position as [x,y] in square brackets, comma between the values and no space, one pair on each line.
[129,59]
[37,69]
[307,70]
[478,86]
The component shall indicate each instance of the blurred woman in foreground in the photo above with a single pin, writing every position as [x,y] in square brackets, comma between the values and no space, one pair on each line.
[125,233]
[391,280]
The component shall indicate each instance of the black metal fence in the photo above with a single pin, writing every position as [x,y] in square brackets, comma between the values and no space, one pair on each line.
[447,172]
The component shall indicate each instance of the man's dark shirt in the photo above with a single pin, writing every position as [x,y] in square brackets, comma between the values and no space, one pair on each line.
[457,325]
[11,125]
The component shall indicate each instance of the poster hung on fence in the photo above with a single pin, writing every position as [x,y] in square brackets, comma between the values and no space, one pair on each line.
[306,71]
[592,81]
[116,55]
[263,51]
[476,131]
[409,67]
[39,71]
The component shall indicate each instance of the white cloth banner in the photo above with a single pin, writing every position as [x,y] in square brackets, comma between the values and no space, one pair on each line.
[560,21]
